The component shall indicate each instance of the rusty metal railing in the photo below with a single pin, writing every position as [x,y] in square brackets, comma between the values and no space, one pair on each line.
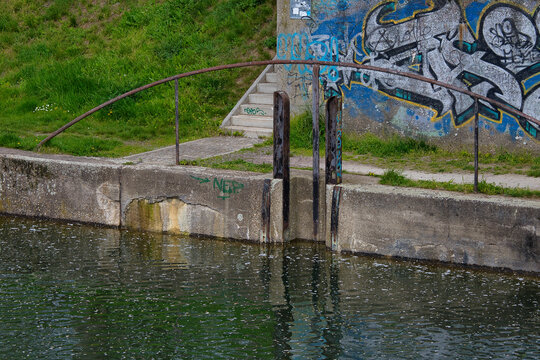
[316,70]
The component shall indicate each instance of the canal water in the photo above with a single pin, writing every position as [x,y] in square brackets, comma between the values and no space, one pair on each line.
[73,291]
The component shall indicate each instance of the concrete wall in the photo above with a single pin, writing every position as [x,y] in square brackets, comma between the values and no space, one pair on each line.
[373,219]
[489,47]
[195,201]
[190,200]
[302,226]
[438,225]
[86,192]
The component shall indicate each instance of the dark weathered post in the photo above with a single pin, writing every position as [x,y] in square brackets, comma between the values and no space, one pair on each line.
[281,150]
[333,141]
[333,162]
[476,144]
[265,211]
[339,144]
[334,217]
[315,132]
[176,122]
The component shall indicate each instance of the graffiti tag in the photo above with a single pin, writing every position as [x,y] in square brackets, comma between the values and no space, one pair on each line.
[225,188]
[254,111]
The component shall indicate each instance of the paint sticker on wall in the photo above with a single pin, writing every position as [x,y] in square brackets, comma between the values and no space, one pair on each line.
[300,9]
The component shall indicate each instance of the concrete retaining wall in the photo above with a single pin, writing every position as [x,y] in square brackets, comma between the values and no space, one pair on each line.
[196,201]
[190,200]
[437,225]
[59,189]
[374,219]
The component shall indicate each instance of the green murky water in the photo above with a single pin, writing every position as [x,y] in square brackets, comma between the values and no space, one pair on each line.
[71,291]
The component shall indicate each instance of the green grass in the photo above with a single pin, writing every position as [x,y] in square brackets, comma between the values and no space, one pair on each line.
[60,58]
[301,138]
[9,139]
[535,168]
[401,153]
[301,131]
[237,164]
[395,178]
[406,153]
[394,146]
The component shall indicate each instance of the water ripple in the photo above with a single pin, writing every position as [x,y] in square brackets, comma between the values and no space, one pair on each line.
[71,291]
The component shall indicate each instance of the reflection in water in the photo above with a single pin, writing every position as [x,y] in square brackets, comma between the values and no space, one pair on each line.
[75,291]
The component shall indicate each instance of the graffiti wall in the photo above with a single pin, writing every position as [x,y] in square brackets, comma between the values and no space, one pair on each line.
[488,47]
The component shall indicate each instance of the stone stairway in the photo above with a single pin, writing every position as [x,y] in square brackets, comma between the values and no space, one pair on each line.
[253,115]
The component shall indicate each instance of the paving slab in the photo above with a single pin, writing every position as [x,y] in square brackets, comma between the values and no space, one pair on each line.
[193,150]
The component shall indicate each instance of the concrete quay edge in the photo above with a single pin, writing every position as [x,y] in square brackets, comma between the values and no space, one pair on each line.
[468,229]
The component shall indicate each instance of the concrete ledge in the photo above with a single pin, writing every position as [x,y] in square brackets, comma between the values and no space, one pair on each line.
[188,200]
[373,219]
[436,225]
[59,189]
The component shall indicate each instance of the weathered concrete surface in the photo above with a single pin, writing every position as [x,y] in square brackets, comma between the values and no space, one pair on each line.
[375,219]
[277,232]
[191,150]
[437,225]
[302,225]
[192,200]
[60,189]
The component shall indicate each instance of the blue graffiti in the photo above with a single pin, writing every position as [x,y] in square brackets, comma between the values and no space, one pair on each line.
[403,9]
[300,46]
[491,48]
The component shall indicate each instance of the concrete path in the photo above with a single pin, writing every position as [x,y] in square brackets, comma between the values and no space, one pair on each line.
[506,180]
[224,145]
[192,150]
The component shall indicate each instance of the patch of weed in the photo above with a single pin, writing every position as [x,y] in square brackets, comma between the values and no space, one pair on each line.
[57,9]
[301,131]
[270,42]
[394,146]
[237,164]
[535,168]
[17,142]
[81,146]
[7,22]
[242,165]
[394,178]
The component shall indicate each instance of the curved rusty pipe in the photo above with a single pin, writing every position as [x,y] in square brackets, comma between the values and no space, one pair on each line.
[290,62]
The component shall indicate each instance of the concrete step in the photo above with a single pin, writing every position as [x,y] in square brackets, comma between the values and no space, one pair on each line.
[252,121]
[258,98]
[266,88]
[251,132]
[257,109]
[271,77]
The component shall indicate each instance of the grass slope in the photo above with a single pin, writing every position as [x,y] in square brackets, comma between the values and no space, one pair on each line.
[60,58]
